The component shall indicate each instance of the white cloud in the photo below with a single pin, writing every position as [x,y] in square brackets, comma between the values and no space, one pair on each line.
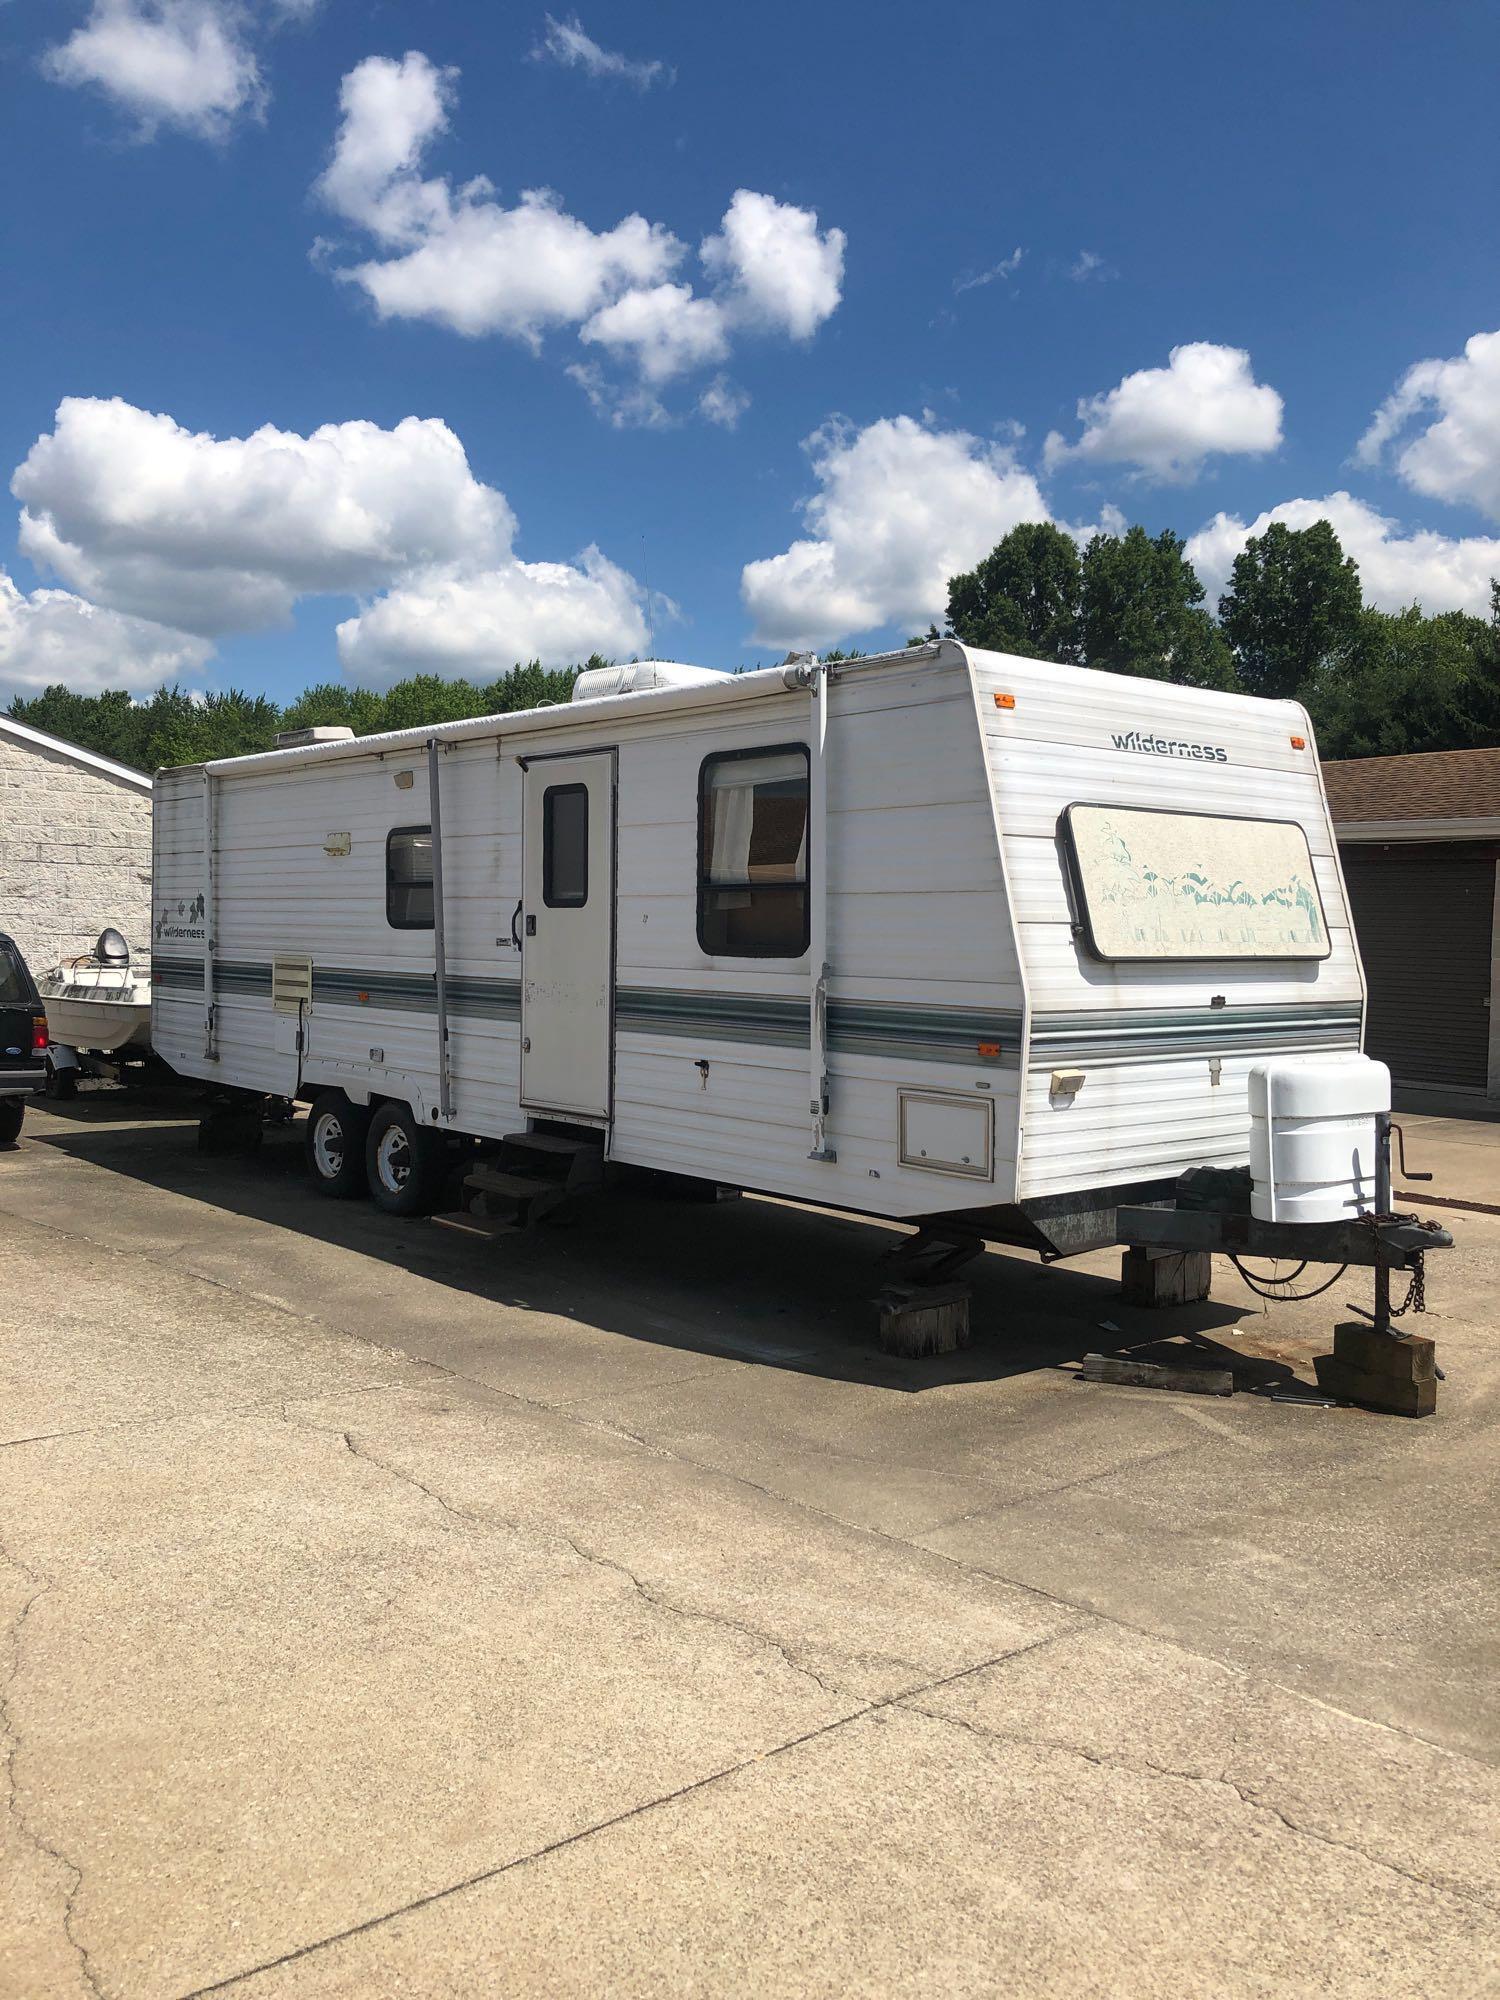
[665,329]
[773,266]
[480,623]
[624,407]
[462,258]
[391,111]
[723,403]
[1006,268]
[49,635]
[1167,421]
[567,43]
[1439,572]
[1456,458]
[223,534]
[458,256]
[900,508]
[186,63]
[203,536]
[1090,265]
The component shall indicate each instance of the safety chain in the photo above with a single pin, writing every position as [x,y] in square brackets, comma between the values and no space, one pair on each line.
[1416,1292]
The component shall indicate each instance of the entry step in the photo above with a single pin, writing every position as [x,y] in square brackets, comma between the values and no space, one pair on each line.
[557,1143]
[462,1223]
[515,1187]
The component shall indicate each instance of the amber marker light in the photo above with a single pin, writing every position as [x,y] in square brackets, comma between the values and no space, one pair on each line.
[1299,742]
[990,1049]
[1005,701]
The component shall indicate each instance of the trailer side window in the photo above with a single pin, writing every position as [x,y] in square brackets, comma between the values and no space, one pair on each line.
[408,878]
[565,847]
[752,853]
[1158,884]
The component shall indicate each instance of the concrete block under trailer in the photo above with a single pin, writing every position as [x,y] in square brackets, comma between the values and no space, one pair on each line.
[950,937]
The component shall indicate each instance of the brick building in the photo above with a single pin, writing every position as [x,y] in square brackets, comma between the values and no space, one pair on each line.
[1419,838]
[75,847]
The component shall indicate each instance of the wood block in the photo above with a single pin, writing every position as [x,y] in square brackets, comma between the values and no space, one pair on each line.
[1157,1375]
[1181,1278]
[930,1319]
[1406,1357]
[1375,1391]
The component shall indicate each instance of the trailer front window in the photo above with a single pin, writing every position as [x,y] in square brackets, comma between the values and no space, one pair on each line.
[752,839]
[408,878]
[1153,884]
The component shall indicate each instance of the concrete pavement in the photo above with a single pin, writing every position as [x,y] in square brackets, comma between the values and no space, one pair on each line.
[599,1611]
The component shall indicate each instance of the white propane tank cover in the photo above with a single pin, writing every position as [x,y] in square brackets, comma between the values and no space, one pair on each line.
[1314,1136]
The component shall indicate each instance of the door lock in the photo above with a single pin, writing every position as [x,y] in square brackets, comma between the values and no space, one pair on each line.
[526,1045]
[531,926]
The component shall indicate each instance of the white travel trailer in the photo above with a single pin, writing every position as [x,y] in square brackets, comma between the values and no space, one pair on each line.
[943,934]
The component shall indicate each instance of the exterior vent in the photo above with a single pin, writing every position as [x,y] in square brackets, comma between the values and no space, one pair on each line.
[291,984]
[324,732]
[639,677]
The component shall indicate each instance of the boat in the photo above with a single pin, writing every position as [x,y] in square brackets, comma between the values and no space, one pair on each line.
[100,1002]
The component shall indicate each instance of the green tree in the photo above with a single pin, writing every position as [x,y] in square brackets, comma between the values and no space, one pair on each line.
[1292,608]
[109,724]
[334,703]
[1023,598]
[1141,612]
[1405,682]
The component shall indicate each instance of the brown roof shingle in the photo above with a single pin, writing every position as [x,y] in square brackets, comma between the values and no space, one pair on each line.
[1435,784]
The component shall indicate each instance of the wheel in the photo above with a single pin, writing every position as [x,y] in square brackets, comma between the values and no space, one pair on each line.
[404,1162]
[335,1143]
[12,1115]
[61,1083]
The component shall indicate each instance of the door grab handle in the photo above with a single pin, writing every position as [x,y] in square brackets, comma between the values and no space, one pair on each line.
[515,935]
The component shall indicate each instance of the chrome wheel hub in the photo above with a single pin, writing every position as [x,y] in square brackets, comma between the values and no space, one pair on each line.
[328,1145]
[393,1159]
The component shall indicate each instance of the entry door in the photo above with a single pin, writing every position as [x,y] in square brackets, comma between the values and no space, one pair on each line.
[567,934]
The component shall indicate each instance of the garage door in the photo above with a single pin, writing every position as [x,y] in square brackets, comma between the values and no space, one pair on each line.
[1424,925]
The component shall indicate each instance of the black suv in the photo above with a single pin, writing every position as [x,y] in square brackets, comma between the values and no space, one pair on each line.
[23,1041]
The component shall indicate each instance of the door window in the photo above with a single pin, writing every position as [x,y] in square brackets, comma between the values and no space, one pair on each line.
[565,847]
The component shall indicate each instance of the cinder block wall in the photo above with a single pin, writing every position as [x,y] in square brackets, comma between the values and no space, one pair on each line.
[75,855]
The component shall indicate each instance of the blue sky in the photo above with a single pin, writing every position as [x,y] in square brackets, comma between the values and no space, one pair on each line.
[1299,200]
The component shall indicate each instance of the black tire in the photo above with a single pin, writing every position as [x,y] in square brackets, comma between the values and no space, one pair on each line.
[12,1116]
[61,1083]
[404,1162]
[334,1144]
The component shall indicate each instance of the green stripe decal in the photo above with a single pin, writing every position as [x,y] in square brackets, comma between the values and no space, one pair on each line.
[1119,1036]
[901,1030]
[911,1033]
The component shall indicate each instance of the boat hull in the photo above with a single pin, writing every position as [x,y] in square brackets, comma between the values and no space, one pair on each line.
[100,1027]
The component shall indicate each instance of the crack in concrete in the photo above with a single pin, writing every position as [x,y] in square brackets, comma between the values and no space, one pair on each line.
[559,1536]
[911,1546]
[41,1586]
[1246,1794]
[1127,1465]
[614,1820]
[147,1419]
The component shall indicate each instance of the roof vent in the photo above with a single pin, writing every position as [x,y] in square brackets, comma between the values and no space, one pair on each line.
[640,677]
[324,732]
